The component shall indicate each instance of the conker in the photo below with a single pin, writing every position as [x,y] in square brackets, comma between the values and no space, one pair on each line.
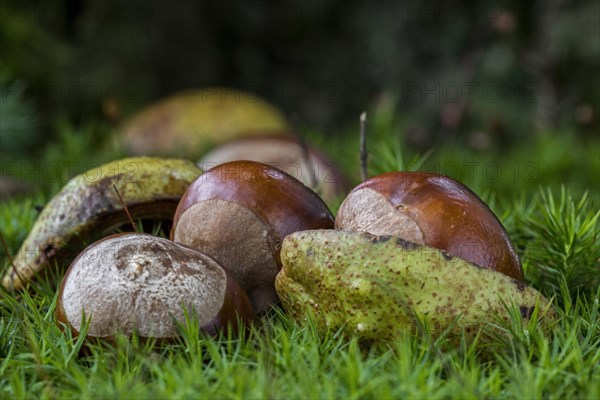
[239,213]
[434,210]
[140,283]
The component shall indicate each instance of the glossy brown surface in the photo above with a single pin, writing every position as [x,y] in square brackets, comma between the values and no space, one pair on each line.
[181,262]
[451,217]
[278,198]
[282,203]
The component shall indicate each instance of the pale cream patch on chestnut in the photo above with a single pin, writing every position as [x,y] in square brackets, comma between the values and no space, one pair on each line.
[235,236]
[285,155]
[141,283]
[367,210]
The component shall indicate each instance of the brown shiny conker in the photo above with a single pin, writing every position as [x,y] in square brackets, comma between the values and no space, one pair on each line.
[434,210]
[239,213]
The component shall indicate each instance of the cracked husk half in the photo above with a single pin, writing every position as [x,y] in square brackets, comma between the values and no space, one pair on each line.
[383,287]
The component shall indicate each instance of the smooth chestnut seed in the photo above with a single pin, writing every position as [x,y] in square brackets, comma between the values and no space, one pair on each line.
[141,283]
[434,210]
[239,213]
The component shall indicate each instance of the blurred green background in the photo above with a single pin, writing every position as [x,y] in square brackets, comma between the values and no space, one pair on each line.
[505,94]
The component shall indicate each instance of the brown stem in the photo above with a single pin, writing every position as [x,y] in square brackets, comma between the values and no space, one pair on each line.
[7,251]
[125,208]
[363,147]
[14,270]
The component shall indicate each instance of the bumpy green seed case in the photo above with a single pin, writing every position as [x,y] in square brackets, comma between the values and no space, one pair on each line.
[382,287]
[88,203]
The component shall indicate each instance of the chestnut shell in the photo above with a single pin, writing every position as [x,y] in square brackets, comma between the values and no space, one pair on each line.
[450,216]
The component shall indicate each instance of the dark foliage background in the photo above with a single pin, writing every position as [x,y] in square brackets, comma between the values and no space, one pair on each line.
[484,81]
[515,64]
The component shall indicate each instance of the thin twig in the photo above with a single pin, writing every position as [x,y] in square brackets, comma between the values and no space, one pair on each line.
[363,147]
[7,251]
[125,207]
[14,271]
